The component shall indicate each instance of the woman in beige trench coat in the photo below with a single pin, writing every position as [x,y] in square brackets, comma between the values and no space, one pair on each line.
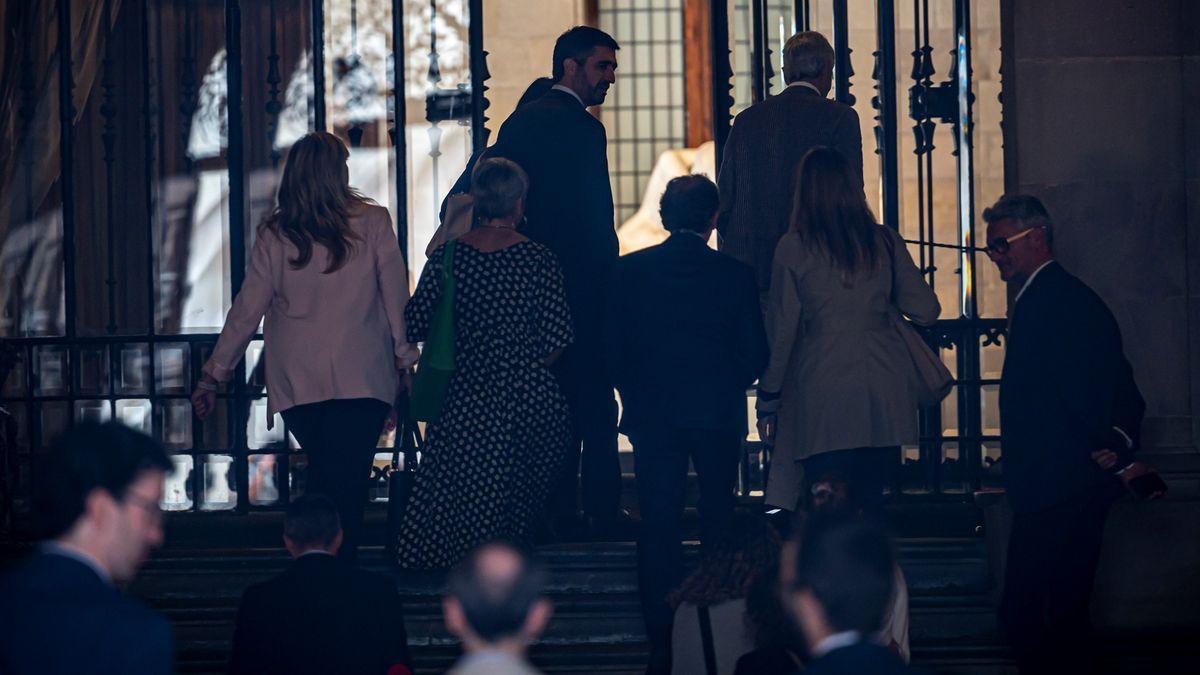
[838,395]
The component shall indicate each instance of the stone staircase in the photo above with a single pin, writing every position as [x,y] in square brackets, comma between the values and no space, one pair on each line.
[597,625]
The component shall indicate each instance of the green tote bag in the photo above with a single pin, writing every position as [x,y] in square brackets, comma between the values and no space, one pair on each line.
[436,365]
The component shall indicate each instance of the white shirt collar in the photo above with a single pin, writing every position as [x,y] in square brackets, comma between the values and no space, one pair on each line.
[836,641]
[802,83]
[314,551]
[569,91]
[1030,279]
[486,655]
[56,548]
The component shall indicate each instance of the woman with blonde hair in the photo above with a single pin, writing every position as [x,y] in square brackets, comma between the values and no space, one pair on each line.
[840,391]
[327,273]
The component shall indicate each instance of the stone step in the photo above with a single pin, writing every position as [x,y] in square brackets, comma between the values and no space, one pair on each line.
[598,623]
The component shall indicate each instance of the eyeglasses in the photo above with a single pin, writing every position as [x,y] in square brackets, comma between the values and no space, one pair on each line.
[1001,245]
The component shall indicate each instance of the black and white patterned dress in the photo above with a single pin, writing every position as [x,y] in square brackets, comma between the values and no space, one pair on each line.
[504,428]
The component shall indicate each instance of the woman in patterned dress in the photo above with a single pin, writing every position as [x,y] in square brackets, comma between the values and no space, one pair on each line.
[504,429]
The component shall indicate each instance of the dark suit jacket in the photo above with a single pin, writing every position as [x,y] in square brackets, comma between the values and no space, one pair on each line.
[569,208]
[858,659]
[684,336]
[758,169]
[320,616]
[1066,384]
[58,616]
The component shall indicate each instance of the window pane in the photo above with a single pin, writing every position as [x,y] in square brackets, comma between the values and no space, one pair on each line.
[264,483]
[135,414]
[191,182]
[219,487]
[133,369]
[177,490]
[93,370]
[14,360]
[176,423]
[93,411]
[51,373]
[55,416]
[171,368]
[257,433]
[31,231]
[438,144]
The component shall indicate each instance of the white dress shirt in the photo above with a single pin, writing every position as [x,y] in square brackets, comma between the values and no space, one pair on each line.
[569,91]
[802,83]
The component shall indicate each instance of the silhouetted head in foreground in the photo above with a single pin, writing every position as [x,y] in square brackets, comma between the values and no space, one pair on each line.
[841,577]
[494,601]
[97,495]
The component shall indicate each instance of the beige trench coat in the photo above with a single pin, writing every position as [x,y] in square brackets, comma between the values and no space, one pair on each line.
[844,376]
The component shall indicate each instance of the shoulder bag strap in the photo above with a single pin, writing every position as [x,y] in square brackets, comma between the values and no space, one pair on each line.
[706,638]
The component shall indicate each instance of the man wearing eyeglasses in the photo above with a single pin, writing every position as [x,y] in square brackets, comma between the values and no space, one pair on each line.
[1070,414]
[98,494]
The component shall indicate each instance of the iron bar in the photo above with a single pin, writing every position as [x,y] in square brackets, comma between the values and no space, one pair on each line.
[479,76]
[400,127]
[722,74]
[66,114]
[318,63]
[886,133]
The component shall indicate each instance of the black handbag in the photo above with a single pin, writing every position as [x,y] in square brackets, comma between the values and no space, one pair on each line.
[403,469]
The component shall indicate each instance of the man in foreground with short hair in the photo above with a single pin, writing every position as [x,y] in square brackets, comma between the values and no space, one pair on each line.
[321,615]
[61,611]
[684,339]
[838,590]
[569,209]
[494,605]
[1070,421]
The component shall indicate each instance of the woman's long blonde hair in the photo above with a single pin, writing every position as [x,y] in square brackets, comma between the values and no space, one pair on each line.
[830,212]
[316,201]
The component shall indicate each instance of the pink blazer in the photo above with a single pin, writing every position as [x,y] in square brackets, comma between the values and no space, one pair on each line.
[327,336]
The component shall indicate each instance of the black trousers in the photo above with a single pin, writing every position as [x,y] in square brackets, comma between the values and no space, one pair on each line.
[339,436]
[661,466]
[1052,558]
[592,467]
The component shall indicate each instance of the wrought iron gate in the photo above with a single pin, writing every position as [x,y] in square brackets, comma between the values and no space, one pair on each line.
[177,125]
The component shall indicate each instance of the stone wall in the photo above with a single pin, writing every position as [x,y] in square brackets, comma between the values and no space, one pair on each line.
[1104,130]
[519,36]
[1102,113]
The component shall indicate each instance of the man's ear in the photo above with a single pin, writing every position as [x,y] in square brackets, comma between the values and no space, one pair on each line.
[100,508]
[570,68]
[535,622]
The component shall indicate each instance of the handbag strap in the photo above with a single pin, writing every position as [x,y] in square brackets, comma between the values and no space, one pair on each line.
[448,262]
[706,639]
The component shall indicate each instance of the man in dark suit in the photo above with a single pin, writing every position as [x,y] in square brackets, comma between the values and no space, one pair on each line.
[763,152]
[838,582]
[98,494]
[321,615]
[1070,415]
[569,209]
[684,339]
